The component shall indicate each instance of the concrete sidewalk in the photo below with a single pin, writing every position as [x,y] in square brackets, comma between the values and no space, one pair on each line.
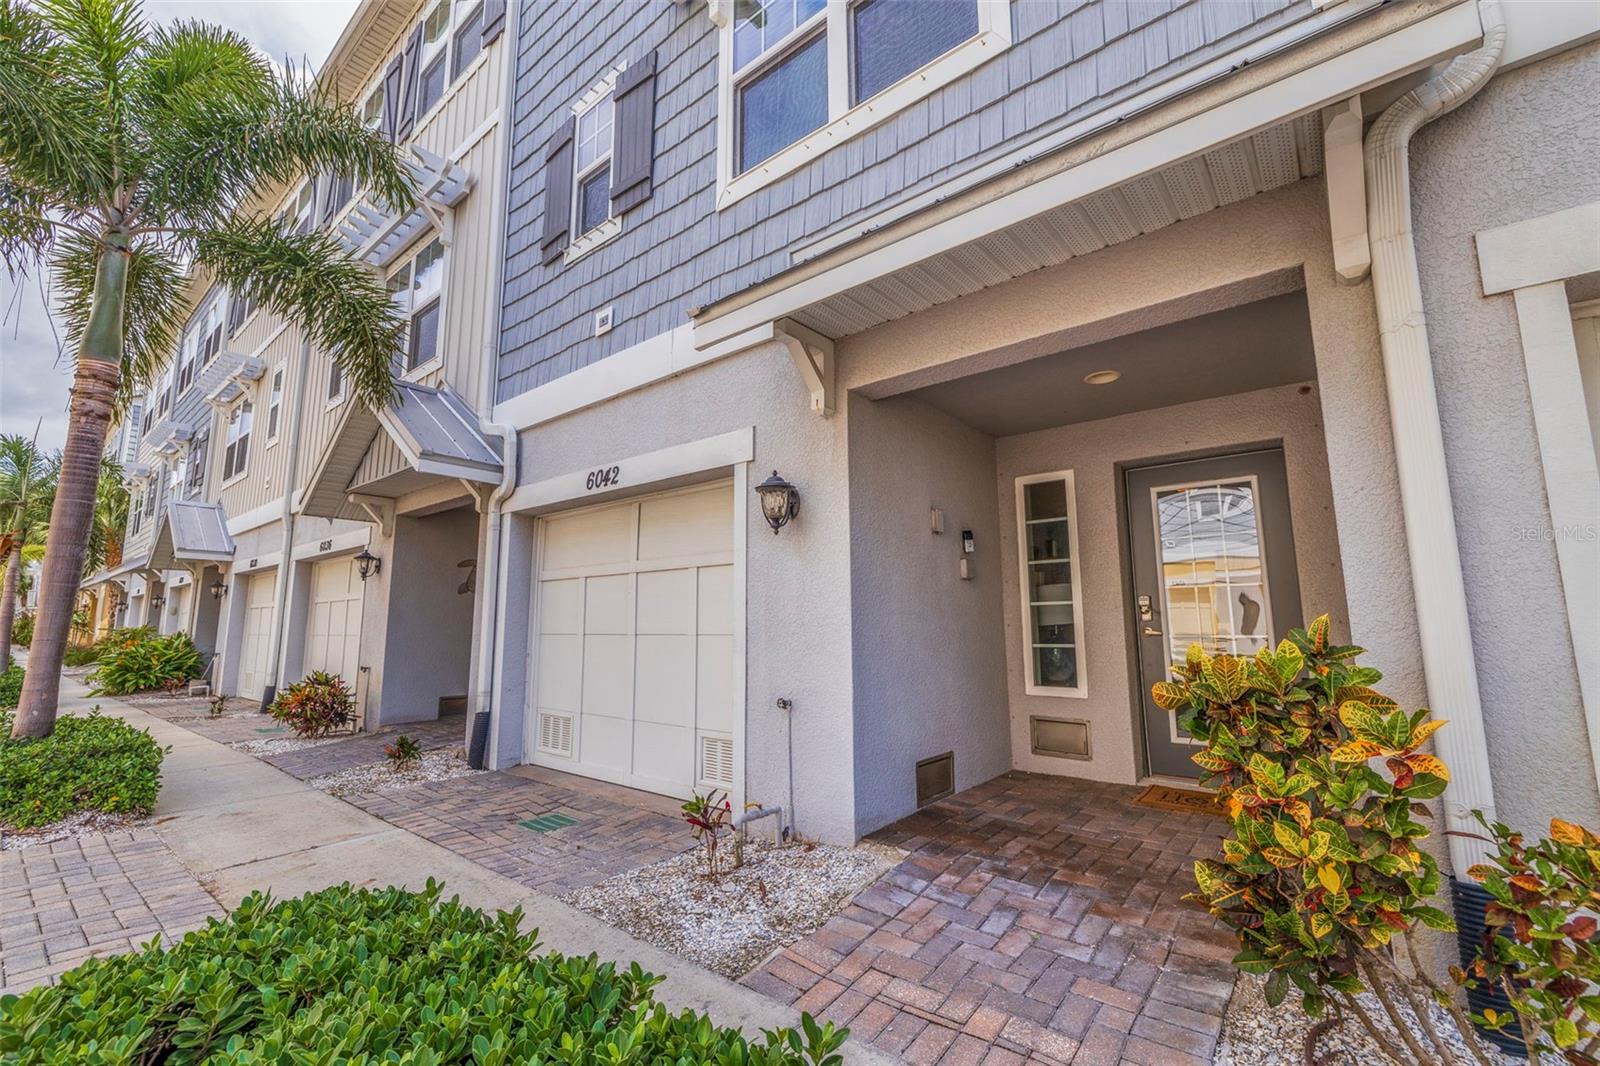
[241,825]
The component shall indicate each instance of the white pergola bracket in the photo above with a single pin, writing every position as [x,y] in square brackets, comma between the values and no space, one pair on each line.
[1345,173]
[378,508]
[813,357]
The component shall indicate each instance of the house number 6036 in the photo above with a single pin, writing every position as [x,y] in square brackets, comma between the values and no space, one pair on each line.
[605,477]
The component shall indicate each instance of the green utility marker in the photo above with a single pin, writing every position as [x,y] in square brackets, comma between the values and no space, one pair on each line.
[546,823]
[272,729]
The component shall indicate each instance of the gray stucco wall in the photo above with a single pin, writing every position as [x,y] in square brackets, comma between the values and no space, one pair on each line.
[1095,452]
[1071,59]
[427,649]
[1527,145]
[798,594]
[927,653]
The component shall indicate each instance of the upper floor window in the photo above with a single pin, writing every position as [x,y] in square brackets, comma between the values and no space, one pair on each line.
[793,69]
[372,109]
[197,466]
[335,383]
[452,36]
[274,405]
[302,208]
[240,307]
[415,289]
[164,391]
[177,469]
[236,449]
[592,161]
[136,511]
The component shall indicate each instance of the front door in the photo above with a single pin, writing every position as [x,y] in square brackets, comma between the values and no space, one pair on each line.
[1213,564]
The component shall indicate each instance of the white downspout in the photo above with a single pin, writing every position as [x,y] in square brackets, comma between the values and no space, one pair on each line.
[1441,600]
[269,691]
[489,568]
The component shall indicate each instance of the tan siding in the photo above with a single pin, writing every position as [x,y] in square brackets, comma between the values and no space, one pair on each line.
[268,464]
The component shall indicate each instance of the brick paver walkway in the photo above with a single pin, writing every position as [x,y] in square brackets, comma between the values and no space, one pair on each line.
[64,902]
[364,748]
[1035,918]
[476,817]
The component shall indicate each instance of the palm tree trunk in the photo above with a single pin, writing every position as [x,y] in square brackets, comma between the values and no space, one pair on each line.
[8,608]
[94,394]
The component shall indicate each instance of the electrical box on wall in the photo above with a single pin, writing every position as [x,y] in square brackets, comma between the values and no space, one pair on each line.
[603,319]
[968,544]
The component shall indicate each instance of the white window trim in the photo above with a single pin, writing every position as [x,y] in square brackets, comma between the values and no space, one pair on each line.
[581,245]
[238,475]
[275,374]
[1081,689]
[994,36]
[404,261]
[452,85]
[344,388]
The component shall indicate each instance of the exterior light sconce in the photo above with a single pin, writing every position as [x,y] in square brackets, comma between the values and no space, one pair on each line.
[780,501]
[368,564]
[156,601]
[219,589]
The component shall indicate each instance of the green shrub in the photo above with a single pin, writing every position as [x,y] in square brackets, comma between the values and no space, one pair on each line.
[87,764]
[79,656]
[11,686]
[134,665]
[315,706]
[348,975]
[22,629]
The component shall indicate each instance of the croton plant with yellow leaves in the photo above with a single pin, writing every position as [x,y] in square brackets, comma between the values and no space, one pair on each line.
[1323,877]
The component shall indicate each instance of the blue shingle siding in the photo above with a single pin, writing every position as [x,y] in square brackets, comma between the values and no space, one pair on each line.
[1070,59]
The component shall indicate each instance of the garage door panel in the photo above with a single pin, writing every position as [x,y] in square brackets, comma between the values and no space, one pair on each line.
[560,681]
[714,682]
[333,620]
[561,606]
[666,601]
[607,678]
[664,753]
[605,604]
[716,599]
[592,538]
[691,523]
[607,742]
[665,680]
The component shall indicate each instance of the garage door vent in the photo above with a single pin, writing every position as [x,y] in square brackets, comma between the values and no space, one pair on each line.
[936,778]
[716,760]
[1059,738]
[555,733]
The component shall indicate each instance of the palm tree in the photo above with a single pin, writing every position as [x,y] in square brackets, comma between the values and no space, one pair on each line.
[110,519]
[130,154]
[26,475]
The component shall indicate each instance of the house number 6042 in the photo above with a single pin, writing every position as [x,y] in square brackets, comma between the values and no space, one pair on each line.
[603,478]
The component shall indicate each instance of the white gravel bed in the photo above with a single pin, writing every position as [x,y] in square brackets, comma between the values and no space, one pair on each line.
[72,827]
[283,745]
[732,923]
[1254,1034]
[441,765]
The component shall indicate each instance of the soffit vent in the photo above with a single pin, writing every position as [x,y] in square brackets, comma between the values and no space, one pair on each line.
[716,760]
[1059,738]
[555,733]
[936,778]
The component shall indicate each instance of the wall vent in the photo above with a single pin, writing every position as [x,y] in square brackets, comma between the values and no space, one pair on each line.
[1059,738]
[555,733]
[716,760]
[936,778]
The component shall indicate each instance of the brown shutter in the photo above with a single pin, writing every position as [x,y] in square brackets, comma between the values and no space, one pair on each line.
[391,96]
[634,153]
[557,192]
[235,312]
[494,19]
[408,91]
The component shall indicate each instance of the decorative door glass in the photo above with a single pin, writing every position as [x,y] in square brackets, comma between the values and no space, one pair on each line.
[1213,582]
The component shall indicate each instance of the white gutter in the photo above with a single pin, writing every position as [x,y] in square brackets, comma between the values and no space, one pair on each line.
[280,593]
[489,567]
[1441,599]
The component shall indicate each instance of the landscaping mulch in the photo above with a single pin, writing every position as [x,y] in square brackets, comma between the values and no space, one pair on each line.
[444,764]
[77,826]
[731,923]
[280,745]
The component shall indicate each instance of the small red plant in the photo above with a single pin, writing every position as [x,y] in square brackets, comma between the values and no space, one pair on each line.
[316,706]
[402,753]
[708,816]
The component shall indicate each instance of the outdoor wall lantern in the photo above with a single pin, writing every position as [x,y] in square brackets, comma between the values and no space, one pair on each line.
[156,601]
[368,564]
[780,501]
[219,589]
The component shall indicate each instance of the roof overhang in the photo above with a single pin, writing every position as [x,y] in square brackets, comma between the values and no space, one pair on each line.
[188,532]
[1253,127]
[433,429]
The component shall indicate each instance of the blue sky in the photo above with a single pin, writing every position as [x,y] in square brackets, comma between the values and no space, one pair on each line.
[34,373]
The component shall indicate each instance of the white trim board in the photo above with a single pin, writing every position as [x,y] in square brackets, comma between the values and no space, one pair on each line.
[340,543]
[258,516]
[637,472]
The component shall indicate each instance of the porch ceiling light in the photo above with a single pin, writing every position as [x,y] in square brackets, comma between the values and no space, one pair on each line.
[219,589]
[780,501]
[368,564]
[1102,377]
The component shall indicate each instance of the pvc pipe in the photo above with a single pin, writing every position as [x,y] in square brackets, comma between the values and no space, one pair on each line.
[1437,584]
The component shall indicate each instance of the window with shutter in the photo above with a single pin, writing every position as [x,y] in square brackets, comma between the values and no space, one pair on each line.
[557,193]
[634,135]
[494,19]
[407,113]
[390,103]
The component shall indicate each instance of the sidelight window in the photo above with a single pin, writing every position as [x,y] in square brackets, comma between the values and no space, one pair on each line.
[1052,611]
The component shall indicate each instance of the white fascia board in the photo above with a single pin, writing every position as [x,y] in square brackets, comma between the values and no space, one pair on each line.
[259,516]
[1355,71]
[635,472]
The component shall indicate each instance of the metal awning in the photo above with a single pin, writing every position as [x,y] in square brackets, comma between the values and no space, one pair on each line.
[190,531]
[129,566]
[434,431]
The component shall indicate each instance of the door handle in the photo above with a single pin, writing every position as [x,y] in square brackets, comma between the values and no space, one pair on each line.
[1150,632]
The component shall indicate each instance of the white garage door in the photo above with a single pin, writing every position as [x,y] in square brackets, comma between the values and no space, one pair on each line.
[333,623]
[634,645]
[256,647]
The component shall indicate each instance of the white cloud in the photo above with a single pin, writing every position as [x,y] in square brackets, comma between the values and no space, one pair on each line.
[34,374]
